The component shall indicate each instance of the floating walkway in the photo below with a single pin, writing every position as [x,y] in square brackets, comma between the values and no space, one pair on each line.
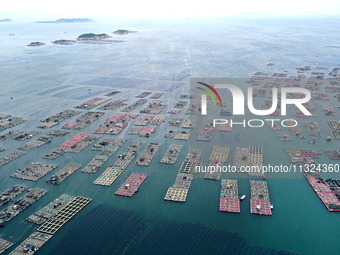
[180,104]
[175,122]
[58,213]
[179,191]
[259,202]
[10,157]
[255,158]
[191,161]
[241,158]
[144,94]
[142,131]
[34,171]
[93,103]
[218,157]
[73,145]
[63,174]
[157,95]
[114,105]
[134,105]
[147,156]
[328,110]
[112,93]
[158,119]
[21,204]
[177,134]
[4,245]
[58,118]
[32,244]
[51,209]
[11,122]
[313,128]
[11,134]
[47,138]
[284,137]
[225,127]
[154,107]
[144,120]
[52,225]
[27,136]
[11,193]
[189,123]
[194,108]
[334,127]
[131,185]
[108,148]
[174,111]
[83,121]
[115,124]
[172,154]
[333,154]
[206,133]
[113,171]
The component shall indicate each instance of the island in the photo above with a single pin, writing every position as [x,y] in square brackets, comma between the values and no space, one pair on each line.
[64,42]
[5,20]
[123,32]
[91,36]
[32,44]
[76,20]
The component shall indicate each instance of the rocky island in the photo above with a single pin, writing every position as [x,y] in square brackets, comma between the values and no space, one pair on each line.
[76,20]
[36,44]
[91,36]
[64,42]
[123,32]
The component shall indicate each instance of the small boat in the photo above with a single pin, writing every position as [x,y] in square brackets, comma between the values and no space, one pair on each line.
[271,206]
[243,197]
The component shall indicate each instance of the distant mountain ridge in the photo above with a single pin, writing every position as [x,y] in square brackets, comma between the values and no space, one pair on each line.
[74,20]
[5,20]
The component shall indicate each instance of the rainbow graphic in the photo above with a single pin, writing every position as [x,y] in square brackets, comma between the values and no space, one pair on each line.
[209,93]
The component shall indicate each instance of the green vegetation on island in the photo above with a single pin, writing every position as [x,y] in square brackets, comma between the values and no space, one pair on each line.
[91,36]
[123,32]
[36,44]
[64,42]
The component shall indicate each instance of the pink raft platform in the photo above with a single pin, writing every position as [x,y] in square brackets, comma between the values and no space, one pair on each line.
[229,205]
[324,193]
[131,185]
[262,207]
[309,153]
[74,140]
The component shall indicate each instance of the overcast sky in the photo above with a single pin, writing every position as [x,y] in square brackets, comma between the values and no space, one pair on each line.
[42,9]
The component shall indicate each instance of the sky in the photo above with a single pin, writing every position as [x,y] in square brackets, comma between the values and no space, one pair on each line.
[45,9]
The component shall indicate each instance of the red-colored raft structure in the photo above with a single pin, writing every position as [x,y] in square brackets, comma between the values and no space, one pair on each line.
[309,153]
[323,191]
[259,206]
[229,205]
[131,185]
[74,140]
[229,201]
